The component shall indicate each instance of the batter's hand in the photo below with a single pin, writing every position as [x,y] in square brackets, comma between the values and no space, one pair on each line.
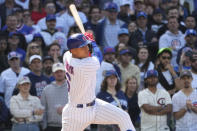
[89,36]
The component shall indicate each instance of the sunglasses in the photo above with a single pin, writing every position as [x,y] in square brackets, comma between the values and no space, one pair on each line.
[35,47]
[165,57]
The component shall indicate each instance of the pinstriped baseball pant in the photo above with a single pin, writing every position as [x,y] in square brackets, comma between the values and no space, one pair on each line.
[77,119]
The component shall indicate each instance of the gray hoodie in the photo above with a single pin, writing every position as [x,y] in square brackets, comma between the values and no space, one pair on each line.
[174,41]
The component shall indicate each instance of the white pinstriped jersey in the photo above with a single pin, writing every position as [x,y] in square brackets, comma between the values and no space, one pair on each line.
[81,78]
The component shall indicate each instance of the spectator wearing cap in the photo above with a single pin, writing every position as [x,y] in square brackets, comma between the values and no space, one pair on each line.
[167,75]
[111,92]
[193,60]
[47,67]
[157,20]
[26,109]
[123,36]
[37,37]
[10,76]
[38,80]
[184,104]
[155,104]
[124,13]
[14,42]
[143,34]
[7,9]
[172,38]
[94,17]
[109,57]
[127,69]
[3,53]
[51,34]
[190,39]
[54,98]
[108,28]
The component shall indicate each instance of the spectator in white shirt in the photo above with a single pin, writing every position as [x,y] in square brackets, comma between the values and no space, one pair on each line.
[185,104]
[27,110]
[10,76]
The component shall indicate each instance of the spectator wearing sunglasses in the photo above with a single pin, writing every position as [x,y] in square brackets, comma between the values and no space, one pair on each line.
[166,73]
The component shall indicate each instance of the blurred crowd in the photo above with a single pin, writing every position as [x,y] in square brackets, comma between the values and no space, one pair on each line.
[148,50]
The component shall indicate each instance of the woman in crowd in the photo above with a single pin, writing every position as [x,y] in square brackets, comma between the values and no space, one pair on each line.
[144,63]
[132,99]
[111,92]
[37,12]
[32,49]
[26,109]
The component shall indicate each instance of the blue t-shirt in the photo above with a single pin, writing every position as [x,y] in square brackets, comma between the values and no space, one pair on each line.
[103,95]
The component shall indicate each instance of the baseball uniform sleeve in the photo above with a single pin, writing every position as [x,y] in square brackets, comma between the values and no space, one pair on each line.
[142,98]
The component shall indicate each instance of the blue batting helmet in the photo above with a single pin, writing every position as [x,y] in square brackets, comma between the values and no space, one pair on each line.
[77,41]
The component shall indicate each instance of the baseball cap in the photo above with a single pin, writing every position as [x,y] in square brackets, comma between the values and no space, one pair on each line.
[13,54]
[47,58]
[125,2]
[77,40]
[36,35]
[34,57]
[110,73]
[141,13]
[111,6]
[12,34]
[185,73]
[164,50]
[58,66]
[123,31]
[190,32]
[50,17]
[124,51]
[107,50]
[150,73]
[23,80]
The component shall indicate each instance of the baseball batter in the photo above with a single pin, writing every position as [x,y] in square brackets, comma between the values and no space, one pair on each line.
[83,107]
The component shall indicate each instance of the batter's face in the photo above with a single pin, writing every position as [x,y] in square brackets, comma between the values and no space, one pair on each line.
[80,53]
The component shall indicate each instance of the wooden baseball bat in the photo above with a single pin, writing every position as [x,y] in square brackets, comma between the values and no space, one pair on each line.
[77,18]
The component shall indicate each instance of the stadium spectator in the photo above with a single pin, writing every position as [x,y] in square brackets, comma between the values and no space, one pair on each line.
[127,69]
[32,49]
[173,38]
[7,9]
[132,99]
[184,104]
[38,80]
[10,76]
[51,34]
[142,34]
[123,36]
[107,29]
[190,22]
[54,98]
[94,17]
[144,63]
[37,12]
[193,59]
[26,109]
[132,27]
[111,92]
[3,53]
[167,75]
[54,52]
[190,39]
[155,104]
[37,38]
[47,67]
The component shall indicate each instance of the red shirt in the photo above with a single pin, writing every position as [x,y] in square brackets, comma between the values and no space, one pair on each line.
[36,16]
